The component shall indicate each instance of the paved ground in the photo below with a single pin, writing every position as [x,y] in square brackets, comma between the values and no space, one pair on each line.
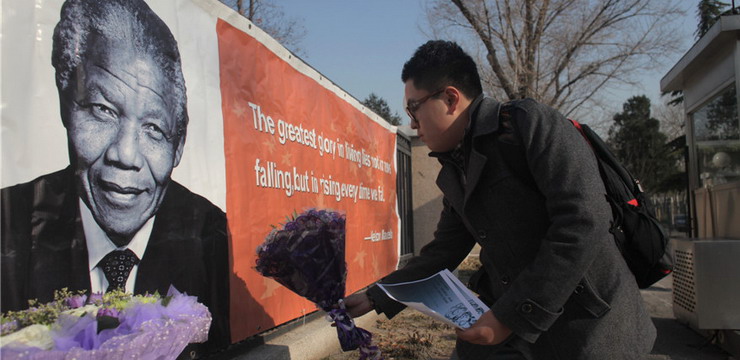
[676,341]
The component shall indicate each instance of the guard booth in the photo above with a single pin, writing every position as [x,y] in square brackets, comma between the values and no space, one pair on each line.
[705,280]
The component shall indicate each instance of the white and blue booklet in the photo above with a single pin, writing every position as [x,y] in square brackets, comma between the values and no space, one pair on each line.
[441,296]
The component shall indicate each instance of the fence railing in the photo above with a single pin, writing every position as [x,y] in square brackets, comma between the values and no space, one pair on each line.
[403,189]
[672,211]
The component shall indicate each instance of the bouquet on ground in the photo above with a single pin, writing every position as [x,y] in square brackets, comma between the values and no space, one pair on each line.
[307,256]
[116,325]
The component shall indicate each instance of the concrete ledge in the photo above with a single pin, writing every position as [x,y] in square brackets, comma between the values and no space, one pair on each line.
[315,339]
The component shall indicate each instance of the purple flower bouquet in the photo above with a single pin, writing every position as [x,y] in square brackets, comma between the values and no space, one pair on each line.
[112,326]
[307,257]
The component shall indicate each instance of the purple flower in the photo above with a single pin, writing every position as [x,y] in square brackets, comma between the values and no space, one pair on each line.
[111,312]
[143,318]
[95,298]
[307,256]
[76,301]
[9,327]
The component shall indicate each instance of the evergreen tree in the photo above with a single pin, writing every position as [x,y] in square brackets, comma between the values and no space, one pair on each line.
[378,105]
[638,143]
[709,12]
[722,116]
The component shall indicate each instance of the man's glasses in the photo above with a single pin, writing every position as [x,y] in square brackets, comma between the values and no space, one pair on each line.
[413,105]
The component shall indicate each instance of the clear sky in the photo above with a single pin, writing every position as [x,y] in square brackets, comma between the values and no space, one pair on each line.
[362,45]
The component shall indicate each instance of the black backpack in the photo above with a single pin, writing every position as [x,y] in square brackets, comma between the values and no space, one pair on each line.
[637,233]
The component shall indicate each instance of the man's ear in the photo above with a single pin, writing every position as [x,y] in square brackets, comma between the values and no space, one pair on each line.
[64,107]
[453,99]
[179,149]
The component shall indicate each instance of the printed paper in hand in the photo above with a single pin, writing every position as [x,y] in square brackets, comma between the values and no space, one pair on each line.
[441,296]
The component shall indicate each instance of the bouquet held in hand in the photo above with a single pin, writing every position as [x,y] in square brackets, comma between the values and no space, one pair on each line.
[307,256]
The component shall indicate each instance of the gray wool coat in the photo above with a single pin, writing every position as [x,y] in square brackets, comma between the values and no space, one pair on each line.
[554,273]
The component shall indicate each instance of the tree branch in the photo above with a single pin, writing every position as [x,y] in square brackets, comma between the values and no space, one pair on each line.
[492,58]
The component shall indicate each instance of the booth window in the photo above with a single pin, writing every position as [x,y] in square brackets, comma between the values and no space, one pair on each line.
[717,138]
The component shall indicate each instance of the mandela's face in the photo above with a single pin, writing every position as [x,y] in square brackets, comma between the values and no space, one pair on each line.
[122,133]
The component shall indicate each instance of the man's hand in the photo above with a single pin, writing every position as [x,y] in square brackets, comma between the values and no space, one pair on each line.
[358,304]
[486,331]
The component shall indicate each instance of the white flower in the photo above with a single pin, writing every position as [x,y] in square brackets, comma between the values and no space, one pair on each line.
[36,335]
[80,311]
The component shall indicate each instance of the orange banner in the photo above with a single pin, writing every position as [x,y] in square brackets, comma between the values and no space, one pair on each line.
[292,144]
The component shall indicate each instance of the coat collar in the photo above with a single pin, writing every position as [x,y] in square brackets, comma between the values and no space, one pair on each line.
[483,120]
[57,236]
[484,116]
[174,245]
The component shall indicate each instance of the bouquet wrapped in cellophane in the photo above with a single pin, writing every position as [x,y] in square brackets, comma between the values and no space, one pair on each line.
[116,325]
[307,256]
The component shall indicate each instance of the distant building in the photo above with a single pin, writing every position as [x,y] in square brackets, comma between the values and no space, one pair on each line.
[427,198]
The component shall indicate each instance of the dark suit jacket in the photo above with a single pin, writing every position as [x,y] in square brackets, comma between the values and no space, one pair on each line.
[44,249]
[554,273]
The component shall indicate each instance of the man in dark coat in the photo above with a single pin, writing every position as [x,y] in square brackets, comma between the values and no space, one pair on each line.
[123,103]
[554,279]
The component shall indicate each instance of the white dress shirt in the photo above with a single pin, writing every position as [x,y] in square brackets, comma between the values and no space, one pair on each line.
[99,245]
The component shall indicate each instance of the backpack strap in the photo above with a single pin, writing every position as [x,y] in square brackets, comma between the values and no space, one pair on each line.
[603,154]
[509,145]
[581,131]
[516,161]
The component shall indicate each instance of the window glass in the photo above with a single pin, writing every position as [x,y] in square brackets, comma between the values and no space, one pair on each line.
[717,120]
[718,139]
[719,164]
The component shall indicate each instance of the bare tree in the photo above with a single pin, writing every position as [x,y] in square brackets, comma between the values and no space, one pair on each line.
[560,52]
[672,119]
[270,17]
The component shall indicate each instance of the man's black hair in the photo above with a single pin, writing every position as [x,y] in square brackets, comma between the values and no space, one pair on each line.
[440,63]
